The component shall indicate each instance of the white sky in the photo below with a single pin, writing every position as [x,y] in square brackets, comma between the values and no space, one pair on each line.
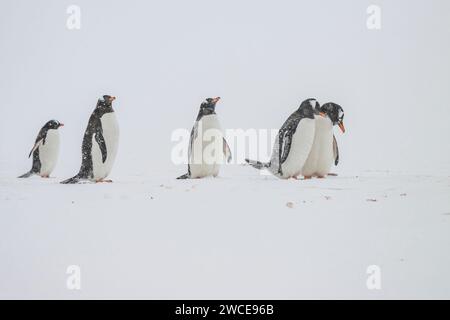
[162,58]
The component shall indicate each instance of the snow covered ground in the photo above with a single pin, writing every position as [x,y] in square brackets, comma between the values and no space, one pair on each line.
[242,235]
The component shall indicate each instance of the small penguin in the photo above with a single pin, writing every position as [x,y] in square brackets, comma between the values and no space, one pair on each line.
[292,144]
[325,150]
[45,150]
[207,144]
[100,144]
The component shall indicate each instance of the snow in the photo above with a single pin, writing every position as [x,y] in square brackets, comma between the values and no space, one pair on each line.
[242,235]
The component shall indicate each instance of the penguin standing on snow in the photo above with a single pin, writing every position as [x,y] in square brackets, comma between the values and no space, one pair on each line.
[207,145]
[325,149]
[45,150]
[292,144]
[100,144]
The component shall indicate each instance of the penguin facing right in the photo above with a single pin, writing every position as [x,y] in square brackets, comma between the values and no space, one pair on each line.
[292,144]
[45,150]
[207,145]
[100,144]
[325,149]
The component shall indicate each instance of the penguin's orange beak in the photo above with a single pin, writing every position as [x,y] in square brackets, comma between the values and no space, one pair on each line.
[215,100]
[341,126]
[322,114]
[61,124]
[112,99]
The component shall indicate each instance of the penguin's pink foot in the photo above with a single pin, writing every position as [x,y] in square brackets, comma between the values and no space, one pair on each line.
[307,177]
[295,178]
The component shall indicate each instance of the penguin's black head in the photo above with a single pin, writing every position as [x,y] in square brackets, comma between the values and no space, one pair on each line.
[106,101]
[209,106]
[308,107]
[335,113]
[53,124]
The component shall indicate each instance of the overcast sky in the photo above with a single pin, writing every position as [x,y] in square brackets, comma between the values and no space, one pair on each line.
[162,58]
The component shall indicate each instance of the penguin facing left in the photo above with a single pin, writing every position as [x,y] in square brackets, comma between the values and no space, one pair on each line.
[45,150]
[100,144]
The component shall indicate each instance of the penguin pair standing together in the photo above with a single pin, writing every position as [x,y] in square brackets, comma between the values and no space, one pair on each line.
[99,148]
[305,144]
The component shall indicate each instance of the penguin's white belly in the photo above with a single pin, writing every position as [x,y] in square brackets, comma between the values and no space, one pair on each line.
[48,152]
[207,149]
[301,145]
[321,157]
[110,128]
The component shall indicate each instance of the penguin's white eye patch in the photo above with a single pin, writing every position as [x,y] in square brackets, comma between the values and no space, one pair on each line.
[312,102]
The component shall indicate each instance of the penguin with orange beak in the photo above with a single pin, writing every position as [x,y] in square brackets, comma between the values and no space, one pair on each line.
[45,150]
[208,148]
[325,149]
[100,144]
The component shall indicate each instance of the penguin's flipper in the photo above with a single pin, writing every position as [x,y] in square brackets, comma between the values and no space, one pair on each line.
[257,164]
[285,141]
[335,151]
[227,150]
[36,145]
[194,135]
[102,144]
[26,175]
[285,135]
[184,176]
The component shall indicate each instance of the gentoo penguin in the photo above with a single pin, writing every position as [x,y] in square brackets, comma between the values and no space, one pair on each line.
[45,150]
[100,143]
[292,144]
[325,149]
[207,145]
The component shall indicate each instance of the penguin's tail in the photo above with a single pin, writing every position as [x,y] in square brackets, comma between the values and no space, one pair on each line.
[26,175]
[72,180]
[184,176]
[258,164]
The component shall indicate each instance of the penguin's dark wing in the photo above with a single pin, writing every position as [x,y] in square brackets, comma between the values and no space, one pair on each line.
[40,139]
[101,141]
[335,151]
[35,147]
[226,150]
[194,134]
[285,138]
